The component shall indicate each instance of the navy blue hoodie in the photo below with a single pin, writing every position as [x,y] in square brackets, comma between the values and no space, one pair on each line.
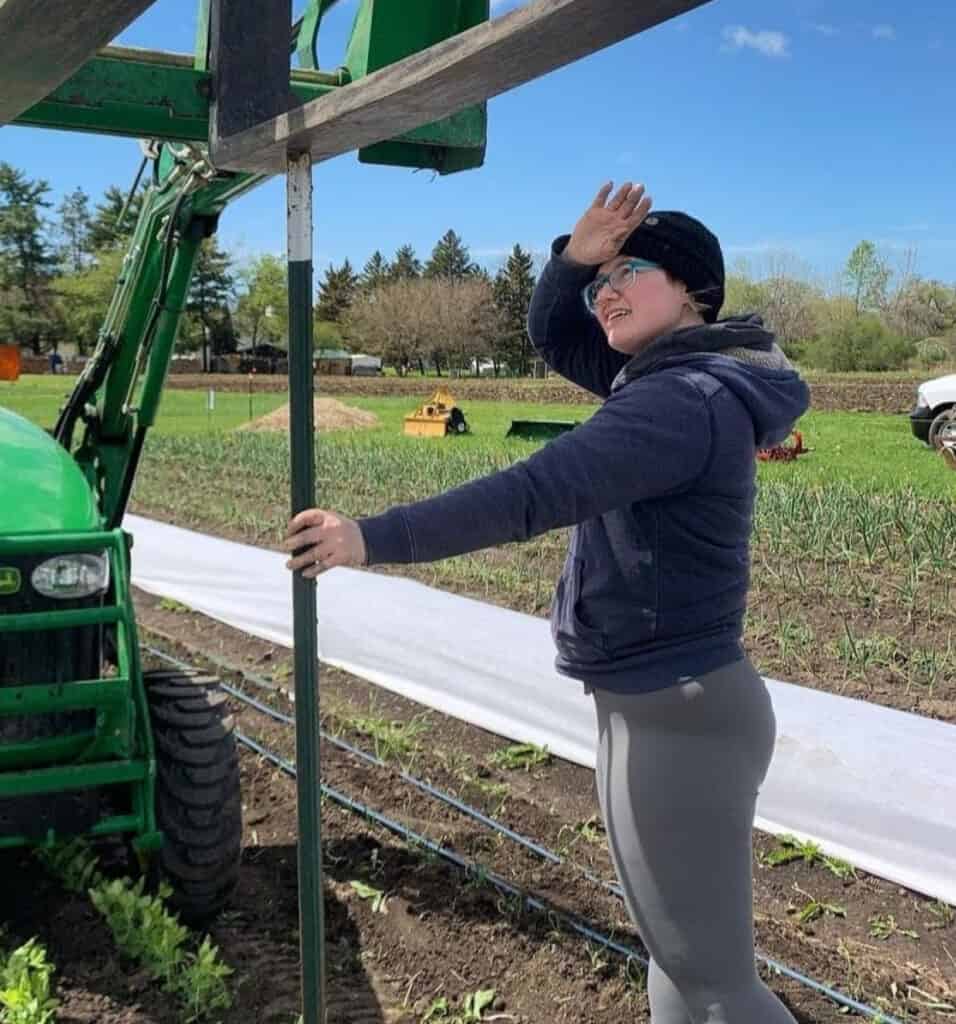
[659,484]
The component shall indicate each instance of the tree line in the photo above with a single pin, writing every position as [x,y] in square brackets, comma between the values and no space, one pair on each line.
[58,268]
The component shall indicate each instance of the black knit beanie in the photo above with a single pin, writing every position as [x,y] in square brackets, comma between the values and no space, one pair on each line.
[685,248]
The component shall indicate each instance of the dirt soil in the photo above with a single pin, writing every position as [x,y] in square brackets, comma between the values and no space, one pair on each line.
[329,413]
[441,934]
[885,393]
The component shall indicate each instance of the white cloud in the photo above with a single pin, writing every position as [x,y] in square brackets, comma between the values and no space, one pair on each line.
[770,44]
[886,32]
[824,29]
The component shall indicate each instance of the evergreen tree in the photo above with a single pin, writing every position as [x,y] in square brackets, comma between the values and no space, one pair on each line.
[513,286]
[450,259]
[375,273]
[74,231]
[336,293]
[106,230]
[406,266]
[209,295]
[28,313]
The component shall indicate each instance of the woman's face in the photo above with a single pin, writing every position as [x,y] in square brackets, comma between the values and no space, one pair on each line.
[651,305]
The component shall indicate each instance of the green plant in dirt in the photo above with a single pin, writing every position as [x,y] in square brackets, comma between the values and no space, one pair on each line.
[26,986]
[497,794]
[142,927]
[393,739]
[74,864]
[635,976]
[590,831]
[169,604]
[814,909]
[521,755]
[511,905]
[475,1004]
[943,912]
[884,926]
[597,954]
[145,931]
[377,897]
[472,1008]
[202,984]
[790,849]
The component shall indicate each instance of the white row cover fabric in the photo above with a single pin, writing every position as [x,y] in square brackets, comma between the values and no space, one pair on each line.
[871,785]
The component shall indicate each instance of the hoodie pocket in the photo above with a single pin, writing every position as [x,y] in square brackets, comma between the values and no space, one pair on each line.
[571,634]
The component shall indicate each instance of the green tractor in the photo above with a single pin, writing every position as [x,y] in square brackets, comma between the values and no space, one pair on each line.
[90,743]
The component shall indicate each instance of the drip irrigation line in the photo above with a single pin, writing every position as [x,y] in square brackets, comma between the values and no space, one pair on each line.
[472,869]
[425,787]
[542,851]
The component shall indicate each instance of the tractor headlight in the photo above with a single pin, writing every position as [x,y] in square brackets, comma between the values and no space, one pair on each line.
[71,576]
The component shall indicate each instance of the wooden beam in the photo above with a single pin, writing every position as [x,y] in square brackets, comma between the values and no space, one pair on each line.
[43,42]
[457,73]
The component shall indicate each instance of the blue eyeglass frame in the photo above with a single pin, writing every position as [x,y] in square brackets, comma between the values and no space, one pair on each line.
[633,266]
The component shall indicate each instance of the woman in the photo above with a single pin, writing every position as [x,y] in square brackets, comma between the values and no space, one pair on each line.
[648,613]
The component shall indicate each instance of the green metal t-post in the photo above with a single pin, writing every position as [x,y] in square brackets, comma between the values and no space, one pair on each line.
[305,631]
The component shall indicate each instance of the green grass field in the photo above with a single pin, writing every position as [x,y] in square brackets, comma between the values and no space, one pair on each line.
[182,412]
[867,450]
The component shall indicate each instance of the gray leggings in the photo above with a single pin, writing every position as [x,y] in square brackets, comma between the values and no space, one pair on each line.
[677,775]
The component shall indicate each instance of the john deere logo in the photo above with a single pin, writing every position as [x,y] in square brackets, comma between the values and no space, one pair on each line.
[9,580]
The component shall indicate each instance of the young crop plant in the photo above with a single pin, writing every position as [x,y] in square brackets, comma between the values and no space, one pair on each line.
[521,755]
[376,897]
[814,909]
[394,740]
[471,1011]
[942,912]
[146,932]
[790,849]
[26,982]
[884,926]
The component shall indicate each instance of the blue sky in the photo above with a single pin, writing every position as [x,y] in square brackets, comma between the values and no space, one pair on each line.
[793,129]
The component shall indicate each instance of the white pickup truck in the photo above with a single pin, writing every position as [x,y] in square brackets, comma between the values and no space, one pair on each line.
[933,420]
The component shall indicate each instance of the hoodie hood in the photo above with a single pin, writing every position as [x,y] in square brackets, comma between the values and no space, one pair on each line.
[744,356]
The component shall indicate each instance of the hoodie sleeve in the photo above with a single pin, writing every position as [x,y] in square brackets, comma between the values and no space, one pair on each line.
[635,448]
[565,335]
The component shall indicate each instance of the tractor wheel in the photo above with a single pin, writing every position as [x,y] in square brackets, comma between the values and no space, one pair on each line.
[941,426]
[198,804]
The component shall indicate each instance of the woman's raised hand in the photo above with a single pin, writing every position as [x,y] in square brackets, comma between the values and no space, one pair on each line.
[606,223]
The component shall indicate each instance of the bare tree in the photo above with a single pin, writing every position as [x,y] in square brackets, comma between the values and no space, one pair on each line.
[462,319]
[448,322]
[387,322]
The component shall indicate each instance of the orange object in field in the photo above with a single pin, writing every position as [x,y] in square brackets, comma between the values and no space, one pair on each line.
[436,418]
[9,362]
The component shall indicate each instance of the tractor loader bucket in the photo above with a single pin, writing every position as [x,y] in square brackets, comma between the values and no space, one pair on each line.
[544,430]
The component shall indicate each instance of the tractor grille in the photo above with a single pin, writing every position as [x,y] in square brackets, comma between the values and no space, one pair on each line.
[48,655]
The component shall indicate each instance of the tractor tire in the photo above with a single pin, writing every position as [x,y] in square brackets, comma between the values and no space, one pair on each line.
[198,803]
[941,426]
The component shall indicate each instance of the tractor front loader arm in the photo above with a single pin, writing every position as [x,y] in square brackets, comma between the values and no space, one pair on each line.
[116,398]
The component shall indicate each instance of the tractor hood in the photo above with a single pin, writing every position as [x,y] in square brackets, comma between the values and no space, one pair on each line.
[43,489]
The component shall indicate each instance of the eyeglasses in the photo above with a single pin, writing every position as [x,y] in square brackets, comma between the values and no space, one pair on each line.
[619,278]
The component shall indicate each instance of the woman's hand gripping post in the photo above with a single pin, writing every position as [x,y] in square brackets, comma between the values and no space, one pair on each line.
[320,540]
